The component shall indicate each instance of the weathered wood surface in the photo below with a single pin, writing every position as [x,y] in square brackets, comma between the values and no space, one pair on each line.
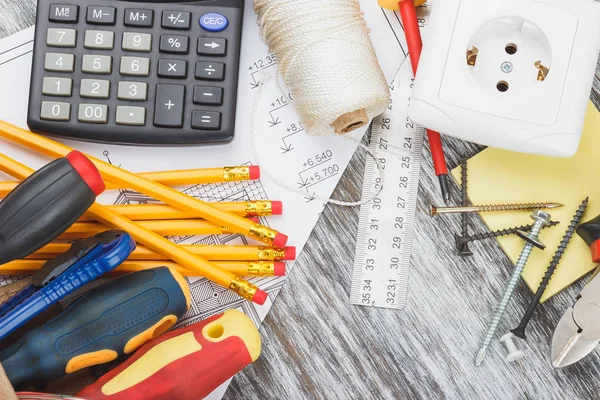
[316,345]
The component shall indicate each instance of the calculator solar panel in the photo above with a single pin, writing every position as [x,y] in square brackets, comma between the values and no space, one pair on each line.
[154,73]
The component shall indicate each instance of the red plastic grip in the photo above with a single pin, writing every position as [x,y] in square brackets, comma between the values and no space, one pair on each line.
[87,170]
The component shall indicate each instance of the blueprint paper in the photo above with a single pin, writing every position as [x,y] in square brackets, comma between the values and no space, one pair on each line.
[312,164]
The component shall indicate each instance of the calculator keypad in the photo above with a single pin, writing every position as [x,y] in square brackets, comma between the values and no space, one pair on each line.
[137,42]
[135,66]
[133,91]
[172,68]
[176,20]
[139,18]
[57,86]
[95,88]
[59,62]
[93,113]
[134,116]
[101,15]
[63,13]
[94,64]
[57,37]
[103,40]
[108,68]
[55,111]
[174,44]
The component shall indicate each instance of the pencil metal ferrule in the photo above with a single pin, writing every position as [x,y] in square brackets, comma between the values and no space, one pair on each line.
[266,253]
[243,288]
[262,233]
[259,208]
[236,174]
[261,268]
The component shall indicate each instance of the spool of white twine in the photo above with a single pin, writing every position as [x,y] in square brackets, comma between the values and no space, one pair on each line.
[326,58]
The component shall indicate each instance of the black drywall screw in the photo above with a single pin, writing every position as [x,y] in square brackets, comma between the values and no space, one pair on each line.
[502,232]
[463,249]
[519,331]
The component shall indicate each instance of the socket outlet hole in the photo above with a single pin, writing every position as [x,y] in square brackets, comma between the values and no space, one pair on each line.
[502,86]
[510,48]
[513,39]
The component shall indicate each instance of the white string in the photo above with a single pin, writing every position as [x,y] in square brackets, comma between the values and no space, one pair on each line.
[264,171]
[326,59]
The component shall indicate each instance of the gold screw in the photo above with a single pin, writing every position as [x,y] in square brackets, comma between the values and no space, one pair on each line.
[493,208]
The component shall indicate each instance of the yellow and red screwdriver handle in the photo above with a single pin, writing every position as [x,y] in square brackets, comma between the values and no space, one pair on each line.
[46,203]
[184,364]
[107,323]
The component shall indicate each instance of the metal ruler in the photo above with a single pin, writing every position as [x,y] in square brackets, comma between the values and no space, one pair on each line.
[385,229]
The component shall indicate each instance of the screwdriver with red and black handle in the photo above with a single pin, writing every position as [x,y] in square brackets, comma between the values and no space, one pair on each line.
[109,322]
[45,204]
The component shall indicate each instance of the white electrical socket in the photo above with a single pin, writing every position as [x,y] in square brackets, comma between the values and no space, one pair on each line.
[511,74]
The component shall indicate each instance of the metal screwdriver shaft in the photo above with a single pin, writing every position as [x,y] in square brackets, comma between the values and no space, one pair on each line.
[501,232]
[519,331]
[541,218]
[493,207]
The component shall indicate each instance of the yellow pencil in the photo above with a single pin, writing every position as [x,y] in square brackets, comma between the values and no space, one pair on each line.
[139,212]
[160,192]
[239,268]
[177,227]
[199,176]
[196,264]
[209,252]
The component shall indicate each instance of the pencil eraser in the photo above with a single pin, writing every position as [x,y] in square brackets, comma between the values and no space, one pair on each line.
[259,297]
[279,269]
[289,253]
[254,172]
[280,240]
[254,219]
[87,170]
[276,207]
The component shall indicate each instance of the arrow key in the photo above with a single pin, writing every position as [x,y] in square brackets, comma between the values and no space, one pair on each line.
[212,47]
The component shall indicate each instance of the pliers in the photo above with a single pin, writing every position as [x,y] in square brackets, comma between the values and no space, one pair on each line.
[578,331]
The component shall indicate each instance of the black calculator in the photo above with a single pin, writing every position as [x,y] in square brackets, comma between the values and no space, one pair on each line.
[148,73]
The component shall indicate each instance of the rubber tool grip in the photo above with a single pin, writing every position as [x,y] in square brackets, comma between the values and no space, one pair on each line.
[45,204]
[107,323]
[590,233]
[185,364]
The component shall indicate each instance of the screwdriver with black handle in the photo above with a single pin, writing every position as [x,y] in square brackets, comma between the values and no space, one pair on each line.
[45,204]
[109,322]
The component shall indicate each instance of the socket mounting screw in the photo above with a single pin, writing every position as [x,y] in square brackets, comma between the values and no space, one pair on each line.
[463,248]
[506,67]
[498,233]
[514,354]
[540,218]
[519,331]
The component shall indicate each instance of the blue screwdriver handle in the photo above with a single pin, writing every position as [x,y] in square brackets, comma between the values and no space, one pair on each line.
[101,259]
[107,323]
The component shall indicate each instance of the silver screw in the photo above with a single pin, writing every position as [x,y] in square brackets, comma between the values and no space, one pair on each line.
[514,354]
[541,218]
[506,67]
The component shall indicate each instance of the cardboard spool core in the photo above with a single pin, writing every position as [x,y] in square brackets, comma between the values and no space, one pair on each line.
[350,121]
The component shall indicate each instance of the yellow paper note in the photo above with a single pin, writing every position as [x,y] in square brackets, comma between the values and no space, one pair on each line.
[499,176]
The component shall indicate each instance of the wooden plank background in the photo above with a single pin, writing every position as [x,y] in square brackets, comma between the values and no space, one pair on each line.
[317,346]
